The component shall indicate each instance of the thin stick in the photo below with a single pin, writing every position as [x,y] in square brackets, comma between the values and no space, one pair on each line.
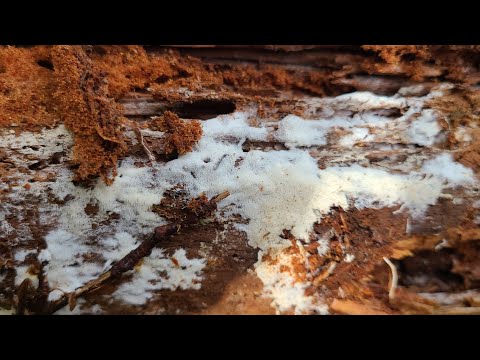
[221,196]
[129,261]
[141,140]
[394,280]
[125,264]
[344,223]
[325,274]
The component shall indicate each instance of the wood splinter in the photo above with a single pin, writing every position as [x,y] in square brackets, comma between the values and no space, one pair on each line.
[394,279]
[141,140]
[129,261]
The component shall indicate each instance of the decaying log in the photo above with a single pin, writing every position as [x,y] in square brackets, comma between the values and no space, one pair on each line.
[436,256]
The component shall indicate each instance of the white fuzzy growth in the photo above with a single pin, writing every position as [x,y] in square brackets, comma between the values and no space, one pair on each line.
[21,254]
[365,100]
[131,195]
[5,227]
[23,150]
[297,132]
[324,245]
[445,168]
[286,292]
[375,188]
[149,277]
[76,311]
[276,191]
[23,274]
[65,266]
[284,189]
[424,129]
[357,134]
[417,125]
[294,131]
[234,125]
[80,310]
[42,145]
[55,295]
[116,247]
[95,310]
[67,270]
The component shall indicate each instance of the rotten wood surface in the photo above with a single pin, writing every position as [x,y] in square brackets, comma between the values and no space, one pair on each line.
[229,286]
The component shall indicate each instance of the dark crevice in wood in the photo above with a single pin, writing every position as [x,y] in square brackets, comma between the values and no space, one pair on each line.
[47,64]
[141,107]
[203,109]
[430,271]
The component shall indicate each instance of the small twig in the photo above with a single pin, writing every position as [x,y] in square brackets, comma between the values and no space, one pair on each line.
[129,261]
[141,140]
[344,223]
[393,280]
[125,264]
[221,196]
[220,161]
[324,275]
